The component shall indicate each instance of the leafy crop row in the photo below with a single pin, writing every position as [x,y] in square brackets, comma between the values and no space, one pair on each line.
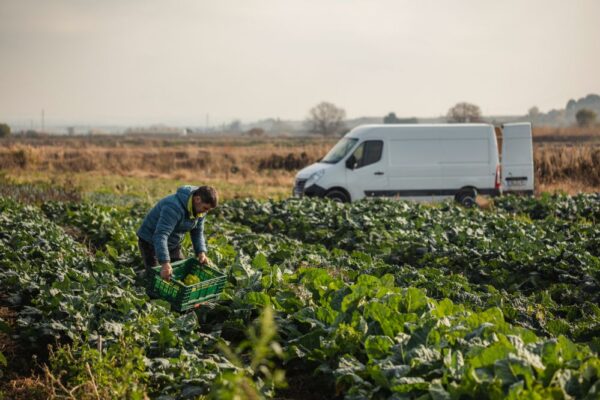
[347,314]
[544,273]
[89,308]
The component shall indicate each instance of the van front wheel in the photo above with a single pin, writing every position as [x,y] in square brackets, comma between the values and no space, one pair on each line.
[467,197]
[337,195]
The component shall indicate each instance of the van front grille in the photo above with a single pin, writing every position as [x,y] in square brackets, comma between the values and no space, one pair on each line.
[299,187]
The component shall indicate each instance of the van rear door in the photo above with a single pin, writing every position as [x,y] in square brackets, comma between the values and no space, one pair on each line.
[517,158]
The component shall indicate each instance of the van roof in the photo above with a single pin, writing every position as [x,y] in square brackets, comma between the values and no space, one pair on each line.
[365,131]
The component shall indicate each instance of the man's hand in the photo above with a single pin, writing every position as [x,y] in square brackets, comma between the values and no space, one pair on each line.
[202,259]
[166,271]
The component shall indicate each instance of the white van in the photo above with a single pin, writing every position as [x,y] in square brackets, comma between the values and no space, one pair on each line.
[418,162]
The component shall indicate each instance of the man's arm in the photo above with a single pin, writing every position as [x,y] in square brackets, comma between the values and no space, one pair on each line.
[198,241]
[166,224]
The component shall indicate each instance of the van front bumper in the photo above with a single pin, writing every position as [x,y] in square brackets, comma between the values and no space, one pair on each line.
[311,191]
[315,191]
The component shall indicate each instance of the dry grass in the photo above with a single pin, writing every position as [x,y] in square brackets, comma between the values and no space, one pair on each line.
[19,381]
[263,167]
[574,165]
[572,133]
[566,187]
[222,162]
[152,166]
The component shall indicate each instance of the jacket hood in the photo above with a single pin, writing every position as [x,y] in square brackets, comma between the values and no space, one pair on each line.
[183,194]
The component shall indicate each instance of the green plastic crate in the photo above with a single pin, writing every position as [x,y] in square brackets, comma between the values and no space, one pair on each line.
[181,296]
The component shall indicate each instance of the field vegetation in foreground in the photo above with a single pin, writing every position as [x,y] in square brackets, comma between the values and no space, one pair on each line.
[378,299]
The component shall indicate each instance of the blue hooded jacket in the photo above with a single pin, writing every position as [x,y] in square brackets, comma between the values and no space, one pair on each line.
[169,220]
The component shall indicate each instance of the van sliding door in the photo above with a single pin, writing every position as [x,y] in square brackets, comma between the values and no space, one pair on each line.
[414,167]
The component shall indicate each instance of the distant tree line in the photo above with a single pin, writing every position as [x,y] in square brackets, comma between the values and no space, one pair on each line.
[582,112]
[4,130]
[326,119]
[464,112]
[391,118]
[585,117]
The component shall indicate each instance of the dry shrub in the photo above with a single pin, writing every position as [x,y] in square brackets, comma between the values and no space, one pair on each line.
[26,388]
[291,162]
[17,157]
[568,163]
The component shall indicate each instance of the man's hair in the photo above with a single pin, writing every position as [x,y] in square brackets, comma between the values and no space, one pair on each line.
[208,195]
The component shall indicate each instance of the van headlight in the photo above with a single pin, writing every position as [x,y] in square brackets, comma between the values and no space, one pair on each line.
[314,178]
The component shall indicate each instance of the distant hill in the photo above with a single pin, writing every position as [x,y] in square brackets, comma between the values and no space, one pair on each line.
[566,116]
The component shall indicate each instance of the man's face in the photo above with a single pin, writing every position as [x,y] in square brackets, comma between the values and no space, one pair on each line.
[199,206]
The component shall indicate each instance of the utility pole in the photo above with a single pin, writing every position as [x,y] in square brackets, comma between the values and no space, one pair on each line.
[43,122]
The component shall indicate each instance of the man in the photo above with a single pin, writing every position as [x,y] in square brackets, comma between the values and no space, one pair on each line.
[164,227]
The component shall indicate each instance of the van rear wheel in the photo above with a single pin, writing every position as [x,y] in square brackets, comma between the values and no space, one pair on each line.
[337,195]
[467,197]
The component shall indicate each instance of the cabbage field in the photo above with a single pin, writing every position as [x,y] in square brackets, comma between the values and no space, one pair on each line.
[373,300]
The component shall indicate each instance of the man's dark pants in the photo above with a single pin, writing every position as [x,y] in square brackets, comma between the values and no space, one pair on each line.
[149,255]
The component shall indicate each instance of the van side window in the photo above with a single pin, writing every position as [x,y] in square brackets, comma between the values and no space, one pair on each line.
[369,152]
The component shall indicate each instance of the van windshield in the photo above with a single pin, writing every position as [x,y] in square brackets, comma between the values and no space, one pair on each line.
[339,151]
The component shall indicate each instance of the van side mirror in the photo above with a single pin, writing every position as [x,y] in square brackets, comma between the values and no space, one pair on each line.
[351,162]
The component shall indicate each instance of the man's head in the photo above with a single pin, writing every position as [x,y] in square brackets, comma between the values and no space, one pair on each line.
[204,199]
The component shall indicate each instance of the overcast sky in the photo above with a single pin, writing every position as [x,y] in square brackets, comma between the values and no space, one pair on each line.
[150,61]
